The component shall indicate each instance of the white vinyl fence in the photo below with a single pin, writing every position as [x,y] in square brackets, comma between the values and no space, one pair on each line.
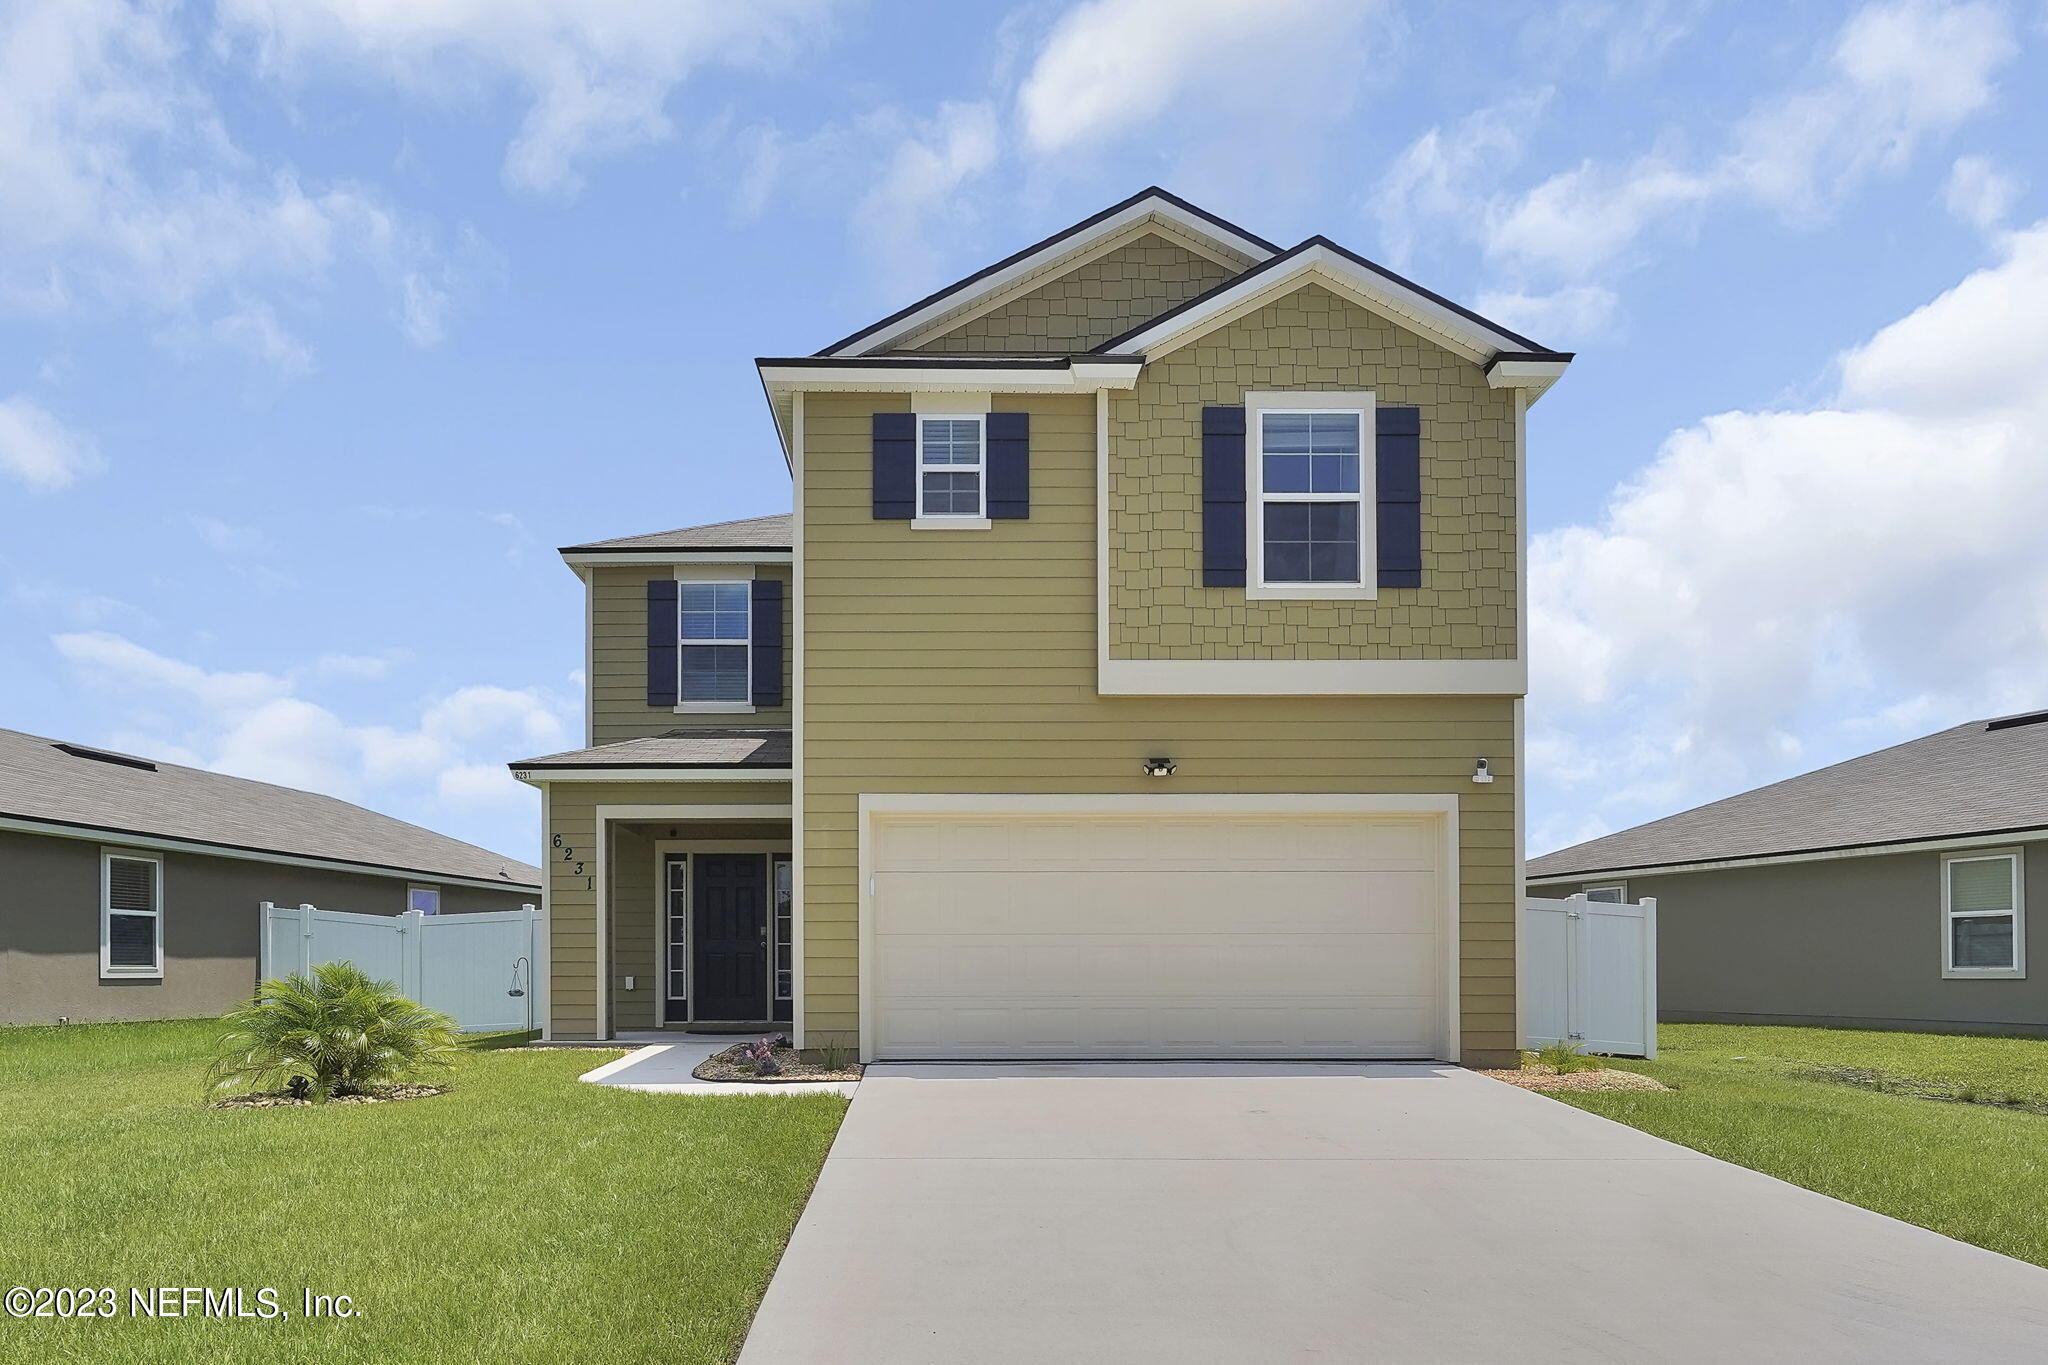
[477,968]
[1589,975]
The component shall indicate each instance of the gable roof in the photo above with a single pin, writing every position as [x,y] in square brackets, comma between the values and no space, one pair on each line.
[747,533]
[1989,777]
[1479,338]
[96,791]
[1150,202]
[701,748]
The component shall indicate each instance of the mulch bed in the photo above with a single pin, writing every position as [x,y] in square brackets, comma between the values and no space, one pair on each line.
[731,1065]
[1601,1078]
[279,1099]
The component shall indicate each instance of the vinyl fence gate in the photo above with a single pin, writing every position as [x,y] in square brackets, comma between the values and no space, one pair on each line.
[476,968]
[1589,975]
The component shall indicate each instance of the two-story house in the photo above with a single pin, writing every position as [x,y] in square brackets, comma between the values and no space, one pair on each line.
[1138,674]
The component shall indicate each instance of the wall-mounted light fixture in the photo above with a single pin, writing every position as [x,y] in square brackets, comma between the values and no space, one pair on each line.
[1159,767]
[1482,772]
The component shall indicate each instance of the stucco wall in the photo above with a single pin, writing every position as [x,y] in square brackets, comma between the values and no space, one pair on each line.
[618,658]
[1312,339]
[1853,941]
[50,928]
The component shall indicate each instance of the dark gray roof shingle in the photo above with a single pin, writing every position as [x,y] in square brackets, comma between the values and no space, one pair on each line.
[39,781]
[1986,777]
[752,533]
[705,748]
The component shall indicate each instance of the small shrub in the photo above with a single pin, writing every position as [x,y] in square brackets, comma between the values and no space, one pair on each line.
[832,1056]
[761,1052]
[332,1032]
[1564,1057]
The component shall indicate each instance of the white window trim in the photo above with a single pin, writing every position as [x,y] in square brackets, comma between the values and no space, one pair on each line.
[108,971]
[684,642]
[2016,972]
[1620,888]
[411,887]
[775,943]
[1256,405]
[953,521]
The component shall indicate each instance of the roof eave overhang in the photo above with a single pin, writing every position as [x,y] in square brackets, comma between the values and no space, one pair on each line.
[541,775]
[1917,843]
[876,374]
[576,558]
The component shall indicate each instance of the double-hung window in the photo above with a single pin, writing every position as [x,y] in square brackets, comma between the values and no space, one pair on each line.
[1311,519]
[131,915]
[1983,921]
[715,662]
[951,470]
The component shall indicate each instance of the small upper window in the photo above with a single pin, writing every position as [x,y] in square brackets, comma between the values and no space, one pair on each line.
[1309,512]
[714,655]
[131,915]
[1615,893]
[1983,920]
[425,899]
[949,467]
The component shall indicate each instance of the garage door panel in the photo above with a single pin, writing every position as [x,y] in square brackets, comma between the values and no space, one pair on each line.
[1151,936]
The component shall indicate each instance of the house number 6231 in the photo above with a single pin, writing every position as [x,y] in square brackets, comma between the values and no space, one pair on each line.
[569,856]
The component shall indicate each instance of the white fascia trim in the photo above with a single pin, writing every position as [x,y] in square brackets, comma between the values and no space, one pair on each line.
[679,558]
[1313,677]
[964,296]
[1082,376]
[1475,342]
[1525,374]
[692,812]
[540,777]
[125,839]
[1987,842]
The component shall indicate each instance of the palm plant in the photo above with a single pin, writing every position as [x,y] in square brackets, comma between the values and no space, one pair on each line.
[331,1032]
[1564,1057]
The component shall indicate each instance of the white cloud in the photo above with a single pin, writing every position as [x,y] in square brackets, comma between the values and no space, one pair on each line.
[917,192]
[1979,193]
[596,75]
[124,186]
[1568,316]
[1852,573]
[229,539]
[38,450]
[438,768]
[1433,177]
[1110,68]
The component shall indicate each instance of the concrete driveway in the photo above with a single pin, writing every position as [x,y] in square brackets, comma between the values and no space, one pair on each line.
[1184,1213]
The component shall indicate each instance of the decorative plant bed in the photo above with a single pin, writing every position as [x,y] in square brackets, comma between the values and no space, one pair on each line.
[1536,1076]
[785,1065]
[275,1099]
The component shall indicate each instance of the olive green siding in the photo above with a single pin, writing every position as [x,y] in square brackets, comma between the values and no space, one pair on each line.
[1312,339]
[1086,306]
[966,662]
[573,869]
[618,658]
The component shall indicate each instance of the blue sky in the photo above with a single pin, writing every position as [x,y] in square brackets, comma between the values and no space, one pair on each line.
[321,323]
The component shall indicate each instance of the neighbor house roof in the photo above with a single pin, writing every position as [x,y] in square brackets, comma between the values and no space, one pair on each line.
[1989,777]
[749,533]
[705,748]
[100,793]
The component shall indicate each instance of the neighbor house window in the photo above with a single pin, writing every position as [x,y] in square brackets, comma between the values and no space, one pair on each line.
[949,467]
[131,915]
[1614,893]
[425,899]
[715,664]
[784,928]
[1983,925]
[1310,516]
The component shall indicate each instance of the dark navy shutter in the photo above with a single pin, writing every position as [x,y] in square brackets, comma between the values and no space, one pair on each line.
[1398,457]
[895,481]
[765,632]
[1222,497]
[1009,465]
[664,628]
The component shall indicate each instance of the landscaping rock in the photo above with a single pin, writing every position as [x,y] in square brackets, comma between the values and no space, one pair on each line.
[1538,1077]
[734,1065]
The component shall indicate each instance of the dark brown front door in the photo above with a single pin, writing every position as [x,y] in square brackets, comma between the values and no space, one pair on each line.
[730,894]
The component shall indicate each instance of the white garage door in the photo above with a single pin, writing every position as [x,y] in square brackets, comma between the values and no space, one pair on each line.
[1157,936]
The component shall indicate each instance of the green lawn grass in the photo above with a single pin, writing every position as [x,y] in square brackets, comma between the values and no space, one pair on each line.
[1750,1095]
[520,1217]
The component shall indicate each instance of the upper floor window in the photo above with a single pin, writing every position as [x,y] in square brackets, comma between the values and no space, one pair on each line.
[949,467]
[1310,532]
[715,628]
[1983,918]
[131,915]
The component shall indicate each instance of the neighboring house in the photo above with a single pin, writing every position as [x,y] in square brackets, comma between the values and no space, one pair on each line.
[1890,891]
[1139,675]
[129,889]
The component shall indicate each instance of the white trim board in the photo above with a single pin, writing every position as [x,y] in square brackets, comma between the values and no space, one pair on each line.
[1615,874]
[655,559]
[1075,376]
[1312,677]
[540,777]
[1442,805]
[130,839]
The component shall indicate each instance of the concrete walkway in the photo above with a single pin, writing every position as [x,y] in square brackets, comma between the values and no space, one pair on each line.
[664,1068]
[1248,1214]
